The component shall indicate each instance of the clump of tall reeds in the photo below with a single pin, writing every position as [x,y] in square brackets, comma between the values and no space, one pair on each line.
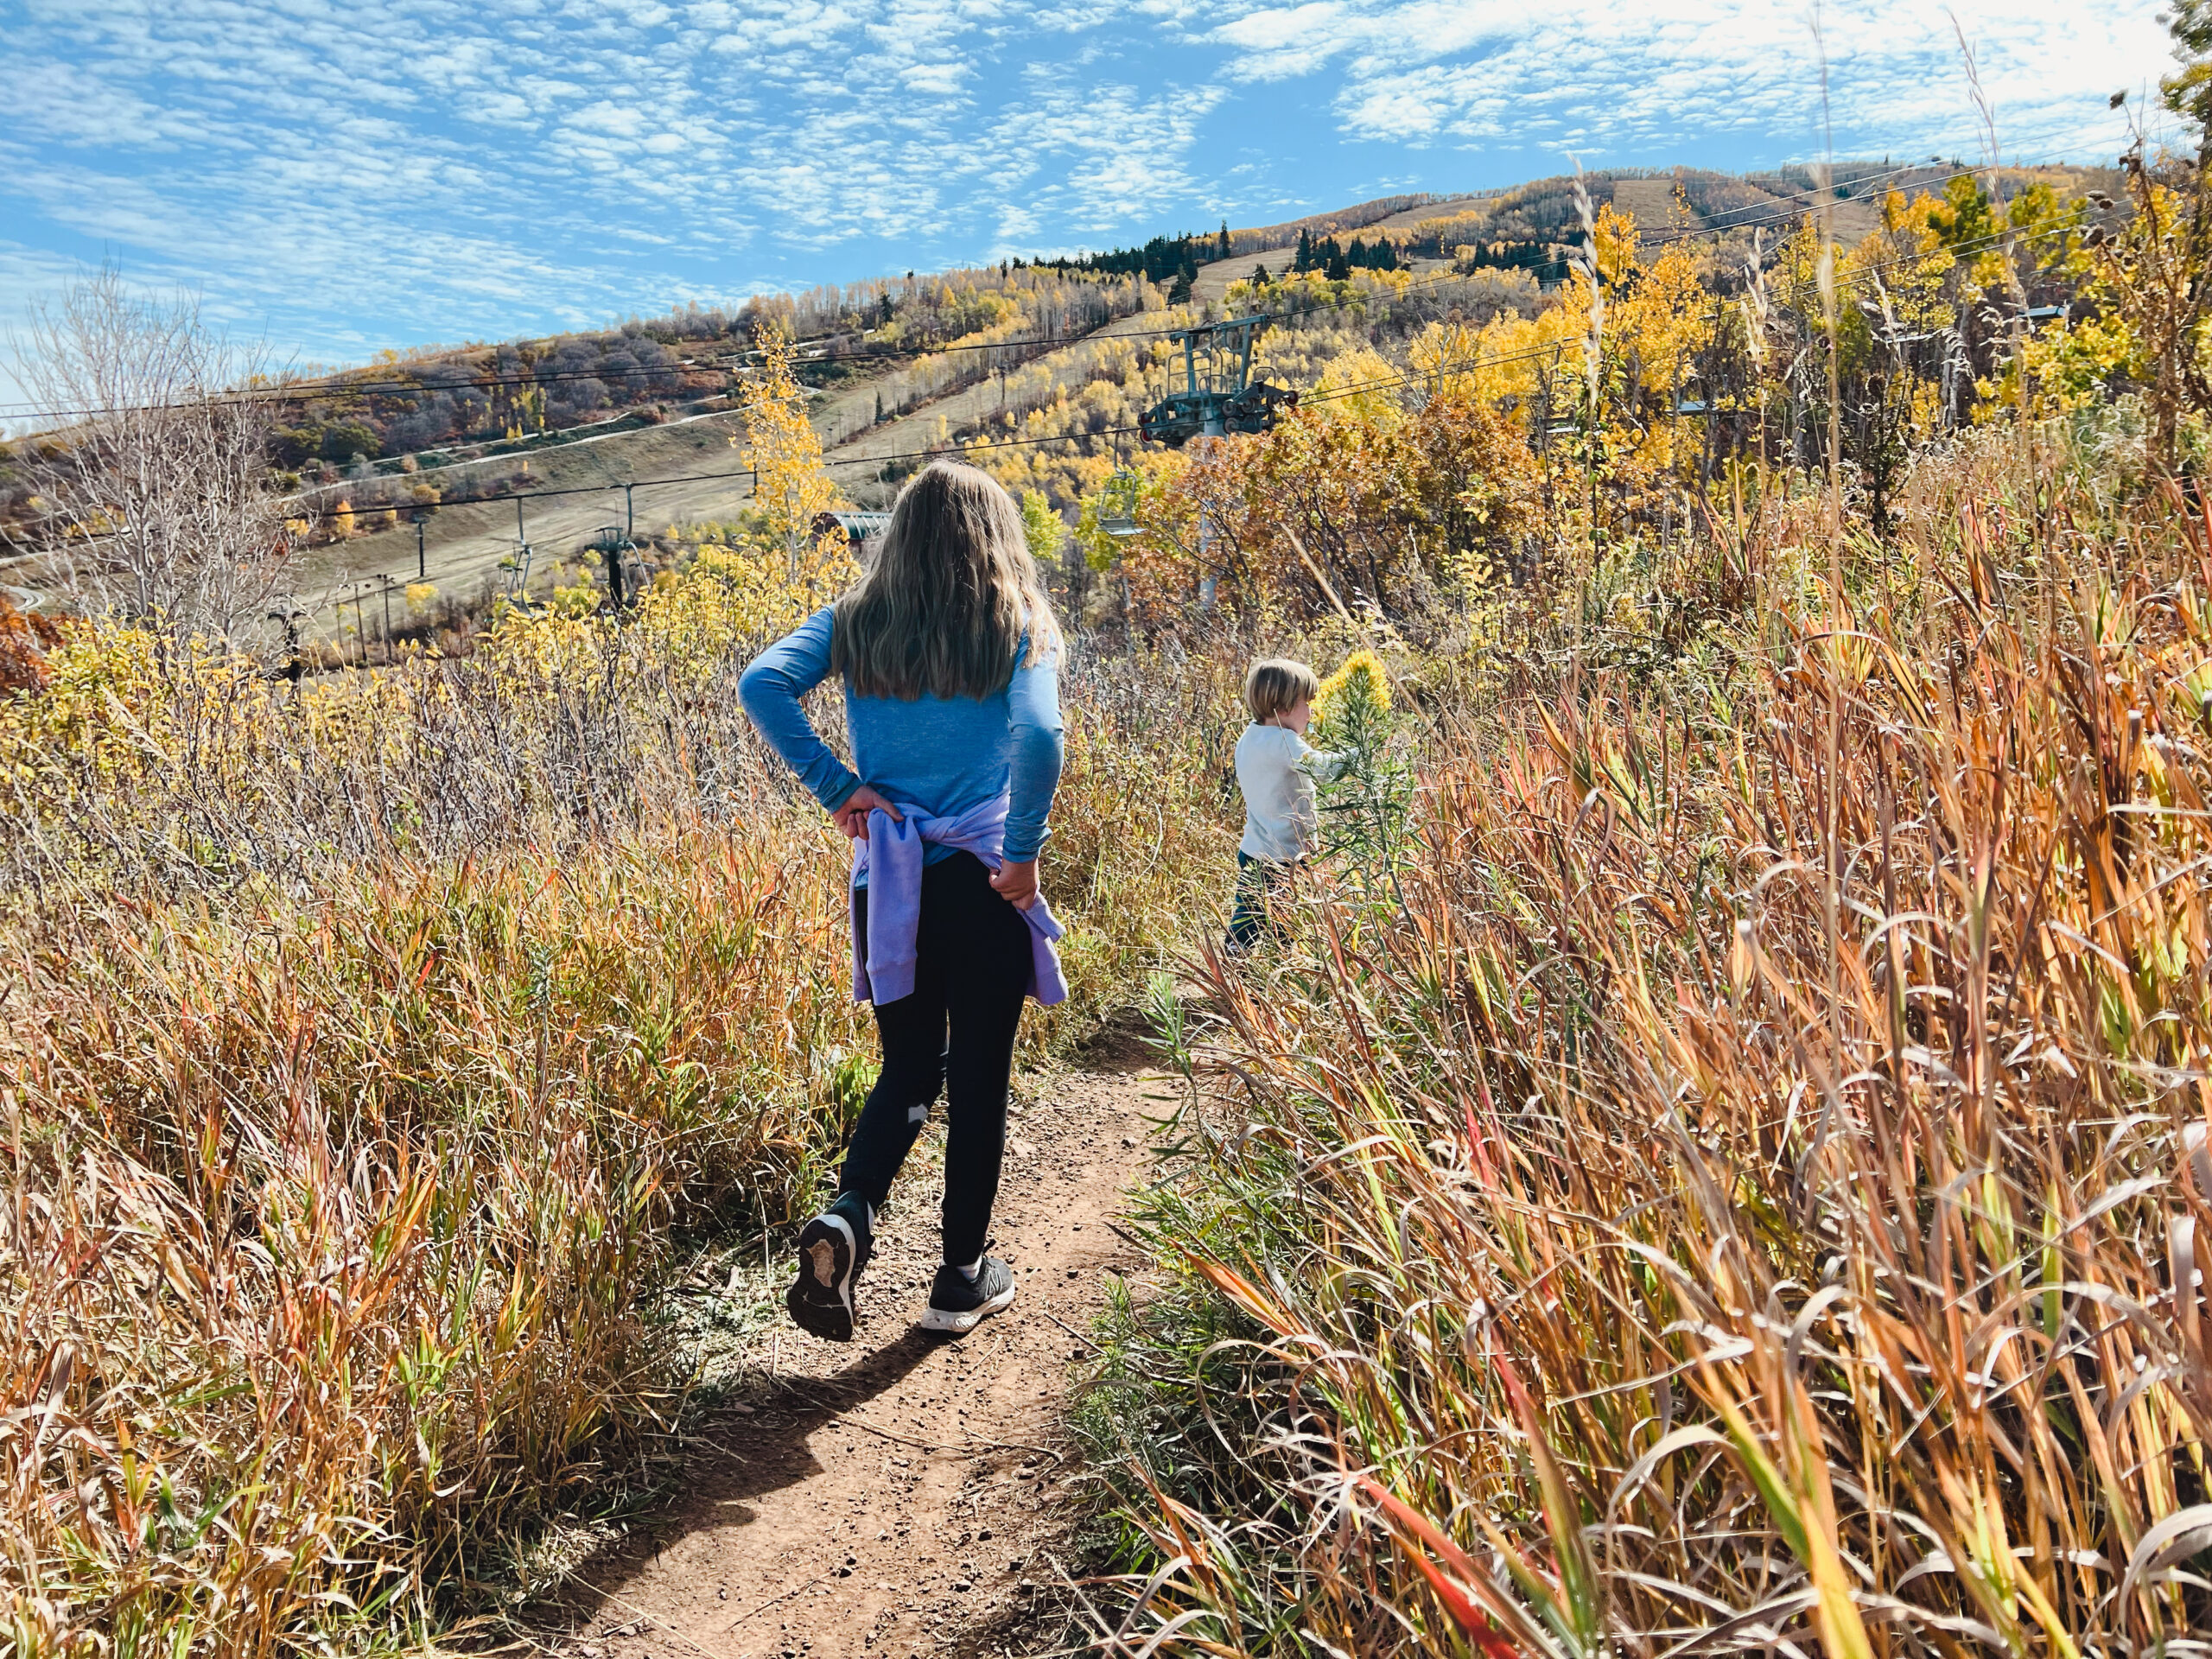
[1619,1254]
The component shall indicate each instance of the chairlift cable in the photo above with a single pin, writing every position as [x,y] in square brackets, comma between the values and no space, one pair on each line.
[1465,367]
[1980,244]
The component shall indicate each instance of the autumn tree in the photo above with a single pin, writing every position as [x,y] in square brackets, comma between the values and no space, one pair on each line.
[1362,500]
[2156,274]
[790,488]
[1042,529]
[158,484]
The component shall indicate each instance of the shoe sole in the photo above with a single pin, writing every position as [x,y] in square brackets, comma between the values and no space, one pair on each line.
[820,1299]
[959,1325]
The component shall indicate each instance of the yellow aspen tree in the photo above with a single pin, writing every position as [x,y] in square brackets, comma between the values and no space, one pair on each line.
[790,488]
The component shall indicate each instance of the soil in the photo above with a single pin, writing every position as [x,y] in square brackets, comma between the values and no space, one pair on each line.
[901,1494]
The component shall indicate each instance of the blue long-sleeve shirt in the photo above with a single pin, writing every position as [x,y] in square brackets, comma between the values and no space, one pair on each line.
[943,754]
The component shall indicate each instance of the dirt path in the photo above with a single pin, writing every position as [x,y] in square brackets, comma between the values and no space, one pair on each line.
[897,1495]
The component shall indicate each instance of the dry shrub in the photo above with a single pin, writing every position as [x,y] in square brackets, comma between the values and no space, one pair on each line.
[1636,1244]
[25,638]
[1142,842]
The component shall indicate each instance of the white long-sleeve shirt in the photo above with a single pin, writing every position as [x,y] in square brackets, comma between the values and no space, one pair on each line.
[1275,770]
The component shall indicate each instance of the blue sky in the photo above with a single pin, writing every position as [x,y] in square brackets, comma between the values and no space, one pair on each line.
[336,179]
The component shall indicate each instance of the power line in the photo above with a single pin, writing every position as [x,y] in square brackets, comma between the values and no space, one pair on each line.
[1468,365]
[1782,214]
[332,386]
[1556,347]
[1464,366]
[307,390]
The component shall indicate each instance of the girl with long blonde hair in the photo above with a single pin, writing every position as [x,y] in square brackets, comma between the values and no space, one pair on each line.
[949,656]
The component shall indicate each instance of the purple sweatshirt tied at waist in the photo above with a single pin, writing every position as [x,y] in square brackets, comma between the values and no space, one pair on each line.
[891,859]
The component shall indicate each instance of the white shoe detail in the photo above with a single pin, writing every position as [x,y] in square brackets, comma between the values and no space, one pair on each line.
[959,1325]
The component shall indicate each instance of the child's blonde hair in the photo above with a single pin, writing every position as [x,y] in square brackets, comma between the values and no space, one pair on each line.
[1275,684]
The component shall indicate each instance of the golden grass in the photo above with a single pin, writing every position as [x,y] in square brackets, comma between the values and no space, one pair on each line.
[369,1063]
[1609,1252]
[332,1225]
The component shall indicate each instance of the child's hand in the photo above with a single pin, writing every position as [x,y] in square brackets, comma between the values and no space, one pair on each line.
[1016,883]
[852,816]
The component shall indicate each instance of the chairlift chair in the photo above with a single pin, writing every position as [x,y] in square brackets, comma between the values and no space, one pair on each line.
[1117,502]
[1219,395]
[613,544]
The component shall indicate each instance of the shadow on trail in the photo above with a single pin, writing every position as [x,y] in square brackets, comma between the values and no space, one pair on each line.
[733,1460]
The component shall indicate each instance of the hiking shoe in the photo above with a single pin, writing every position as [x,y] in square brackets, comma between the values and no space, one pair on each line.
[959,1304]
[833,1247]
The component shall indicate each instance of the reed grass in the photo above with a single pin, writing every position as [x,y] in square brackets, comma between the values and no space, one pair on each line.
[1560,1267]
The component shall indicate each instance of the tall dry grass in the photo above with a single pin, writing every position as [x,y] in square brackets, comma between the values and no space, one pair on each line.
[371,1061]
[1605,1253]
[333,1228]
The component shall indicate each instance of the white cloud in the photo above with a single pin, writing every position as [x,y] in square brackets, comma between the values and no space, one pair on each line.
[1630,76]
[439,169]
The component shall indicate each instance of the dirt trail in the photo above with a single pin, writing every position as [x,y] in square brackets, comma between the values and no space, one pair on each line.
[897,1495]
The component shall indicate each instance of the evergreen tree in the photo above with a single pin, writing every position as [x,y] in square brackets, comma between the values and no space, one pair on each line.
[1260,277]
[1304,263]
[1223,254]
[1335,266]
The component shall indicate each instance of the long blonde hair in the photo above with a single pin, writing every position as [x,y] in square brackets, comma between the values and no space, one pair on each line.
[944,605]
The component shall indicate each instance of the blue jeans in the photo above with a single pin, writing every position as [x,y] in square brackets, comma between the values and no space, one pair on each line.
[1256,879]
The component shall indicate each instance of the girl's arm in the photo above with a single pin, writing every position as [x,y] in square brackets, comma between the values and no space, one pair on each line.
[770,688]
[1034,718]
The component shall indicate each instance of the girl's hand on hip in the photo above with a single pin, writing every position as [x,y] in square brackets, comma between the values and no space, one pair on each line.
[1016,883]
[852,816]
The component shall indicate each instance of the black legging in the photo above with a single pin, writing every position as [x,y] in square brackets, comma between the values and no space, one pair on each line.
[972,974]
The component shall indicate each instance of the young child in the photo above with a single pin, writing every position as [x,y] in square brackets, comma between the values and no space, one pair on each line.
[1276,771]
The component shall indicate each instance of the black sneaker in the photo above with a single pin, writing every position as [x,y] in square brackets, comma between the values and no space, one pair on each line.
[832,1250]
[959,1304]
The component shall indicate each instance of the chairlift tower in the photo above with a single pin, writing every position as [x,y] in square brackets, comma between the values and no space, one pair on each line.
[516,564]
[1219,396]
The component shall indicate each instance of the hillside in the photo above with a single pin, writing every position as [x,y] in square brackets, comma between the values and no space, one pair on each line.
[895,367]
